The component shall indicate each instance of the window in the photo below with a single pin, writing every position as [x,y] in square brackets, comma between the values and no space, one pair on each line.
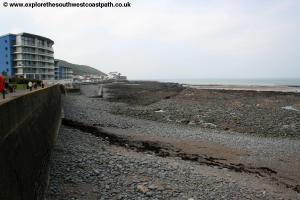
[6,48]
[5,41]
[6,63]
[49,44]
[41,43]
[28,41]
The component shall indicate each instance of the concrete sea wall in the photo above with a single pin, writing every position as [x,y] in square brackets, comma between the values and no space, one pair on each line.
[28,129]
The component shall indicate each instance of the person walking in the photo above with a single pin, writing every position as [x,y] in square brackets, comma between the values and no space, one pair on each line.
[2,86]
[14,87]
[30,85]
[34,85]
[6,86]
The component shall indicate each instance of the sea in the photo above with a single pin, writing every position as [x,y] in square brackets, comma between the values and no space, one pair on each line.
[259,82]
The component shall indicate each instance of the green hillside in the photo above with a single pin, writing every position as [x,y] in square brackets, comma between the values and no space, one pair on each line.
[80,69]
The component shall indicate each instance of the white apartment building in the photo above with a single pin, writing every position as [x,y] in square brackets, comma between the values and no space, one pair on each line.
[33,57]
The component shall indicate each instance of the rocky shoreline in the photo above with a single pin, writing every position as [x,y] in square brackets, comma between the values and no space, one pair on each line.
[121,146]
[253,112]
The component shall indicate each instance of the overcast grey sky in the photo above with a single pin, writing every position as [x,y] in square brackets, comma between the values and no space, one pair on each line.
[157,39]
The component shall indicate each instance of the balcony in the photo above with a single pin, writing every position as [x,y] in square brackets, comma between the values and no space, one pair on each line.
[34,67]
[35,60]
[50,55]
[36,73]
[34,46]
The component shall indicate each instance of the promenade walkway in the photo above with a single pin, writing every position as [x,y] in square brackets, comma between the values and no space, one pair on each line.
[13,95]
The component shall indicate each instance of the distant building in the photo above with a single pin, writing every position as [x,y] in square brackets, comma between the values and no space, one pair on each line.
[97,78]
[88,78]
[116,76]
[27,55]
[63,71]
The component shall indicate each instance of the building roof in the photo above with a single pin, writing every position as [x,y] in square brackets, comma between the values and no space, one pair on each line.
[30,35]
[7,35]
[37,36]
